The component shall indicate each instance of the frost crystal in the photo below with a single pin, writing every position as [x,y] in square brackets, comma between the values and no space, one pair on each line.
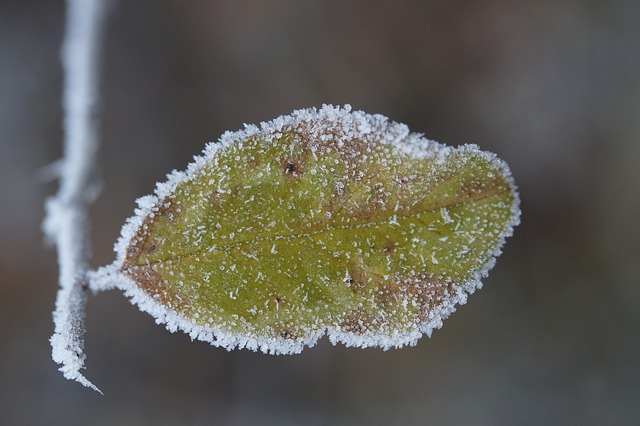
[320,222]
[66,220]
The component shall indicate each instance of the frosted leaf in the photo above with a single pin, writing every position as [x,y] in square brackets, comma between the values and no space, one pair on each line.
[321,222]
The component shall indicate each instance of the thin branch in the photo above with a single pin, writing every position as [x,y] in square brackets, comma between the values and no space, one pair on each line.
[66,222]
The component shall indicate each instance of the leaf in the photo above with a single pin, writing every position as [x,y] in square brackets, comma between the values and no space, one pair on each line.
[324,221]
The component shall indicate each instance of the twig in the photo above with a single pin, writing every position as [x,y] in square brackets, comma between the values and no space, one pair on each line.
[66,222]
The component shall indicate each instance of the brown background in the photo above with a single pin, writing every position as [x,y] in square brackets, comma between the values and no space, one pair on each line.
[552,86]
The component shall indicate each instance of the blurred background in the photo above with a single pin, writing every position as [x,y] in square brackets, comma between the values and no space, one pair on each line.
[553,87]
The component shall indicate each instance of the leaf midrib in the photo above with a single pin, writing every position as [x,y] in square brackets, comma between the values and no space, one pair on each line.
[488,194]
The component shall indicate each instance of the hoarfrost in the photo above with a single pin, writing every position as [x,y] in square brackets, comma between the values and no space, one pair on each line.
[66,220]
[325,130]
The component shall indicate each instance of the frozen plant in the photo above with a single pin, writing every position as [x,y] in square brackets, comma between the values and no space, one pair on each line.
[322,222]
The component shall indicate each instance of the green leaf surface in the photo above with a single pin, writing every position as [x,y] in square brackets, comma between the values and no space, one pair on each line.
[324,221]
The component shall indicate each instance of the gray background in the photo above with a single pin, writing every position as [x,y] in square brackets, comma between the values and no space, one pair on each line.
[552,86]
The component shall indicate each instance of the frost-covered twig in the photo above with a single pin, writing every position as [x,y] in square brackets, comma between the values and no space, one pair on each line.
[66,222]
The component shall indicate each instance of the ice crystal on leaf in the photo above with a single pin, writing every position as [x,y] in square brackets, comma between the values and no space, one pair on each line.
[320,222]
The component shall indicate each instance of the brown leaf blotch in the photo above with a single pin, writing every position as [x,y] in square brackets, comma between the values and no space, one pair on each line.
[288,333]
[143,244]
[149,281]
[389,247]
[357,322]
[360,279]
[426,292]
[291,167]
